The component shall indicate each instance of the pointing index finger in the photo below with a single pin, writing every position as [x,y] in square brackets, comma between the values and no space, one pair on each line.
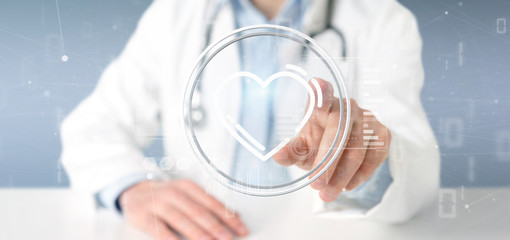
[324,98]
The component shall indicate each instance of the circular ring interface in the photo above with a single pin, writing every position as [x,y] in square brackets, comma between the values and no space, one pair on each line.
[209,78]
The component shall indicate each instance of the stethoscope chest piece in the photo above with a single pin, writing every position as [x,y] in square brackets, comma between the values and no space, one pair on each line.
[198,113]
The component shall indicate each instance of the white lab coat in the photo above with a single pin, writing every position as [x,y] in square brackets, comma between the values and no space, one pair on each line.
[142,92]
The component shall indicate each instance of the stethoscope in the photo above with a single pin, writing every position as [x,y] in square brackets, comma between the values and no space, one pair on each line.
[198,113]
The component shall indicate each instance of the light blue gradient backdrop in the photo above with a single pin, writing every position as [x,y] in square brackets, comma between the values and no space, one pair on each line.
[466,96]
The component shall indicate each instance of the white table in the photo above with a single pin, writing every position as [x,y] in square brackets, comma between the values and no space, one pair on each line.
[63,214]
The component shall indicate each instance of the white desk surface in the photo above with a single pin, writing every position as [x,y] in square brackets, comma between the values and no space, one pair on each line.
[64,214]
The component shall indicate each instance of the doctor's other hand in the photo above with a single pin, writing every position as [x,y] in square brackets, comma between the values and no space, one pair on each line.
[359,157]
[167,209]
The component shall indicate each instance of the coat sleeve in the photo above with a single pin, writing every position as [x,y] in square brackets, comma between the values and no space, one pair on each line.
[391,55]
[103,138]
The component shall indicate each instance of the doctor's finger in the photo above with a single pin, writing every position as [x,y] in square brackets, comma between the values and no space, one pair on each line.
[374,157]
[324,99]
[348,164]
[158,229]
[325,146]
[293,152]
[181,223]
[301,149]
[231,219]
[199,215]
[297,152]
[354,145]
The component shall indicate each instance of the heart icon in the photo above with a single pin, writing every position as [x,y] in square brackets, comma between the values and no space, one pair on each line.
[243,136]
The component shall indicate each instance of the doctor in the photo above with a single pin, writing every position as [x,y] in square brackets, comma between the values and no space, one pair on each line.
[140,94]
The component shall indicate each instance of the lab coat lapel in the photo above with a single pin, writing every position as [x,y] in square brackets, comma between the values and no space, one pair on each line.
[222,143]
[315,21]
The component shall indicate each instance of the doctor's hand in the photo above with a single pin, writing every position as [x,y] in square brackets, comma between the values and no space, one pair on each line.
[167,209]
[357,160]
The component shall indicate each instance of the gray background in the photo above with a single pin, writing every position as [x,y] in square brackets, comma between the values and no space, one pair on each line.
[467,66]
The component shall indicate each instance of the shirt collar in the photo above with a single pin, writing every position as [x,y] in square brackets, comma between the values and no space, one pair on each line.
[290,14]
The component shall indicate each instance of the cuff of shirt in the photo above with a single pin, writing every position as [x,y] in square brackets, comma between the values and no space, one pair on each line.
[109,197]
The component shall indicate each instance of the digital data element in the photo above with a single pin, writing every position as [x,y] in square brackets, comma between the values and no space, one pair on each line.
[373,97]
[503,145]
[64,57]
[501,25]
[453,128]
[461,53]
[447,203]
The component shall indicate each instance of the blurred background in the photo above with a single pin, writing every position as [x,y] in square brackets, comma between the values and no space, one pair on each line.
[52,53]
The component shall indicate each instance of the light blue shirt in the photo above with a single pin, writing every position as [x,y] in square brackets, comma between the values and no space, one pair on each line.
[365,196]
[256,114]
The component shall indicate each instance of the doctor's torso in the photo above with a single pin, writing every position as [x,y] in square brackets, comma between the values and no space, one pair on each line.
[142,92]
[186,41]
